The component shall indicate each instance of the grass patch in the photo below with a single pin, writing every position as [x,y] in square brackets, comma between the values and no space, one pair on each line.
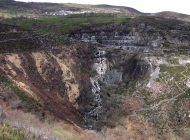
[174,71]
[65,134]
[188,71]
[22,96]
[59,23]
[184,96]
[8,133]
[184,48]
[173,61]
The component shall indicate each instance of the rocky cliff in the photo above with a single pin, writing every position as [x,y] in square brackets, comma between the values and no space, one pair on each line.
[143,34]
[68,81]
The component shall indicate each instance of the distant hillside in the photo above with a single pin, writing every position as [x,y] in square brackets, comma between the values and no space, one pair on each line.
[39,8]
[11,8]
[128,9]
[173,15]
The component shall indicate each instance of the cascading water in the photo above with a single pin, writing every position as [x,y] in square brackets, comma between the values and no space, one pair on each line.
[100,67]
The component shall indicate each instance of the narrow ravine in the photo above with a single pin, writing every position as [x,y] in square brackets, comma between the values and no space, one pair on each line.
[100,67]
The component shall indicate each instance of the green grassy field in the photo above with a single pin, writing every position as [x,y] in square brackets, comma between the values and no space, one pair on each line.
[65,134]
[58,23]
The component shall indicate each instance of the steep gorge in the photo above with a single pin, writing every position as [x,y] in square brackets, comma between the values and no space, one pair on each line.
[112,75]
[61,80]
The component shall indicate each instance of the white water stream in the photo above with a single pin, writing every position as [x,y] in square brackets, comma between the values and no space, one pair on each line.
[100,67]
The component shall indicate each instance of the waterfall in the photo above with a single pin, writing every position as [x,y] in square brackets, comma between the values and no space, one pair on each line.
[100,67]
[154,73]
[151,66]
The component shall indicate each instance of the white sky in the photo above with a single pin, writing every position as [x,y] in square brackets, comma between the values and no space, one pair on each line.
[151,6]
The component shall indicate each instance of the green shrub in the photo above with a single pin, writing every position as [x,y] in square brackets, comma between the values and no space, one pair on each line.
[8,133]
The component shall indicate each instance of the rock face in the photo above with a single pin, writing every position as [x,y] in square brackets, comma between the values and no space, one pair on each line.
[142,35]
[109,72]
[122,36]
[136,67]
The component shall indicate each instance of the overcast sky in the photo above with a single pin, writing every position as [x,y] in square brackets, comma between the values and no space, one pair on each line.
[151,6]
